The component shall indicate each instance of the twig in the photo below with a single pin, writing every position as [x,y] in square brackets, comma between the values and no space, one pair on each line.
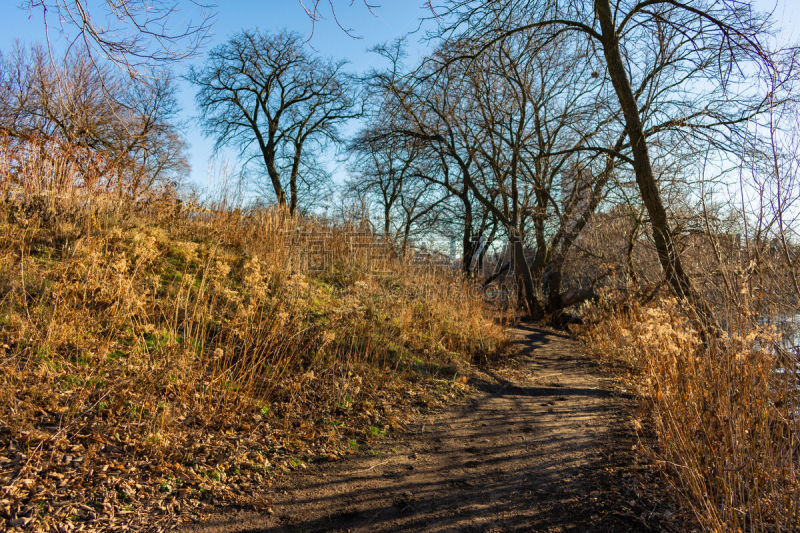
[376,465]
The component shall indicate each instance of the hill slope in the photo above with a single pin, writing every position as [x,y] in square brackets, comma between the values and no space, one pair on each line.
[156,359]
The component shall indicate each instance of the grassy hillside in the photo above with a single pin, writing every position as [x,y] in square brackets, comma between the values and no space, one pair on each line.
[156,358]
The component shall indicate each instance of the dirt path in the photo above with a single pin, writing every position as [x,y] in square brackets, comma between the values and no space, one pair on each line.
[532,450]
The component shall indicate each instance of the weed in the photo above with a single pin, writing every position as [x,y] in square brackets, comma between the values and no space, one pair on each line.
[723,410]
[375,431]
[169,330]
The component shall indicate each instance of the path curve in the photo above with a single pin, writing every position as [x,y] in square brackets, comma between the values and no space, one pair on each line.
[531,450]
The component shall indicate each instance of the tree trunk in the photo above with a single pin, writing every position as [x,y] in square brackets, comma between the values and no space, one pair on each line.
[468,251]
[668,256]
[542,252]
[524,278]
[481,260]
[268,153]
[293,197]
[467,246]
[387,220]
[552,286]
[293,179]
[406,237]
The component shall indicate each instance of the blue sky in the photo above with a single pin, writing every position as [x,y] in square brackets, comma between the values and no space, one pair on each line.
[392,19]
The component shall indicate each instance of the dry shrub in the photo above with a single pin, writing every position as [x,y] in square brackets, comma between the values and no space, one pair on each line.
[725,412]
[157,356]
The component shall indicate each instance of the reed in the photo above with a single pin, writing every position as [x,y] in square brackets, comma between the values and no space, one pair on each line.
[724,411]
[156,356]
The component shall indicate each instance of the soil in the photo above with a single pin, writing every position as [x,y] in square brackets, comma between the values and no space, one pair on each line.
[542,444]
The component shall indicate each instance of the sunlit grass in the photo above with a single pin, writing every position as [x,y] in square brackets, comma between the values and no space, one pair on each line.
[725,412]
[156,342]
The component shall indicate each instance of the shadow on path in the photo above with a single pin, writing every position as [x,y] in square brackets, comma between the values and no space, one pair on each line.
[529,451]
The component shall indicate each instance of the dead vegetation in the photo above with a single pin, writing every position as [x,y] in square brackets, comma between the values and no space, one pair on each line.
[156,357]
[724,411]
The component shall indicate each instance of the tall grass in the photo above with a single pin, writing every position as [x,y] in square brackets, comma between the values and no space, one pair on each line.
[725,411]
[155,355]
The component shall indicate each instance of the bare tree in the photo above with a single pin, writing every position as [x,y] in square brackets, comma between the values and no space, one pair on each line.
[124,130]
[413,119]
[135,35]
[385,171]
[518,134]
[268,96]
[688,56]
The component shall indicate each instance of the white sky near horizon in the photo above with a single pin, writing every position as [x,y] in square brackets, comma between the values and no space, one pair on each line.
[392,19]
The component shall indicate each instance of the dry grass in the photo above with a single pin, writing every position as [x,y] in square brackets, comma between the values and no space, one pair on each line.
[156,358]
[725,413]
